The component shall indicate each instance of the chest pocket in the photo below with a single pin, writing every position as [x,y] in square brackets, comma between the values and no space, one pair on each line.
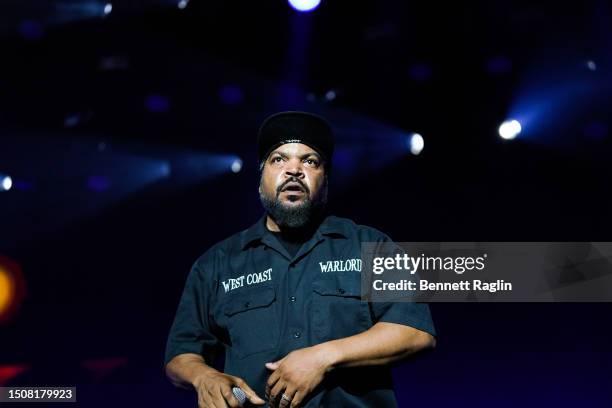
[253,320]
[337,310]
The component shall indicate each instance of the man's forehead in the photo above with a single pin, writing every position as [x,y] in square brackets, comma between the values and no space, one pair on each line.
[294,149]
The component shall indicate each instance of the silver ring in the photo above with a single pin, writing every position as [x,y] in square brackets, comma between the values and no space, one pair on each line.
[285,397]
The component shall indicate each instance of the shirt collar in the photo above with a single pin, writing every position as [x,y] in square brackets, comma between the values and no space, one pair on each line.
[331,225]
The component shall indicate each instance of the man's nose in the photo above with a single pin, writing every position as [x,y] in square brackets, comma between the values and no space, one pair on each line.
[294,169]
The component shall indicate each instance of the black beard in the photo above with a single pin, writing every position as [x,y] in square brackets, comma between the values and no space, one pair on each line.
[297,216]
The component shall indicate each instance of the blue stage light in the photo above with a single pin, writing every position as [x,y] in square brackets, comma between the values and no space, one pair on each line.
[236,165]
[416,143]
[6,182]
[591,65]
[304,5]
[165,169]
[330,95]
[510,129]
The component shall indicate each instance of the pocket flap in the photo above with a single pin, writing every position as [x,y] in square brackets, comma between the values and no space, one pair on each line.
[251,299]
[338,284]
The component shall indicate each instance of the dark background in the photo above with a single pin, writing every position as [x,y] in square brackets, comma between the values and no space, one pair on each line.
[119,133]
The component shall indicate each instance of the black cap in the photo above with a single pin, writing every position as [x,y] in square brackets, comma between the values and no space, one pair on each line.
[296,127]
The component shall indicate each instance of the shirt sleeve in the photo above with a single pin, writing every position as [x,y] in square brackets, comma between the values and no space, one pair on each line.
[413,314]
[191,330]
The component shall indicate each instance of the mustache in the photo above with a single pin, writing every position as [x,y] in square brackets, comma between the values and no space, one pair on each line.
[280,188]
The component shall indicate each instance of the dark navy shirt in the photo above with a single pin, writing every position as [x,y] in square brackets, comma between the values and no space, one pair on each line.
[249,297]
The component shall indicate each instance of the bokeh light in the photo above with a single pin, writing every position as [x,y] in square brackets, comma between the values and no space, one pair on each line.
[304,5]
[510,129]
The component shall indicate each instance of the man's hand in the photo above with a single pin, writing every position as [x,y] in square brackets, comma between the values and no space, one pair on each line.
[215,391]
[296,375]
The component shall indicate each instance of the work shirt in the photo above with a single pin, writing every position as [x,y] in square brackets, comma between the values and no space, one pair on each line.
[249,297]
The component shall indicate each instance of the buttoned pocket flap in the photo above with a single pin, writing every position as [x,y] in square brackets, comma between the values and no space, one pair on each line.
[252,299]
[339,284]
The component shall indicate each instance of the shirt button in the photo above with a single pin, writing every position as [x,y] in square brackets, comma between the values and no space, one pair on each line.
[297,334]
[292,298]
[247,304]
[341,290]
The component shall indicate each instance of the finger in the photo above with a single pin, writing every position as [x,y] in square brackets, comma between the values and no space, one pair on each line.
[297,400]
[204,400]
[274,364]
[229,397]
[209,401]
[287,396]
[277,390]
[218,400]
[273,379]
[251,395]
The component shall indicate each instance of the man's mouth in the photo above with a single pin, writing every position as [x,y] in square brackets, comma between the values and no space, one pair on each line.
[293,188]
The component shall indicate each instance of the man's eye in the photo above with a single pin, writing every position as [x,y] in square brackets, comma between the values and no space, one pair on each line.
[312,162]
[276,159]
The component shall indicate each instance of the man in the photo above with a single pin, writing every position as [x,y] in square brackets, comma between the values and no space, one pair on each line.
[282,298]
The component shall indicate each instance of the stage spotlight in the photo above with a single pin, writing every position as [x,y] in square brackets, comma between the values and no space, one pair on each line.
[330,95]
[236,165]
[8,372]
[304,5]
[6,182]
[182,4]
[591,65]
[6,290]
[108,7]
[416,143]
[12,288]
[165,169]
[509,129]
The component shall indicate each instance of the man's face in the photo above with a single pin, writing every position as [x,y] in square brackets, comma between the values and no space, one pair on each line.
[293,184]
